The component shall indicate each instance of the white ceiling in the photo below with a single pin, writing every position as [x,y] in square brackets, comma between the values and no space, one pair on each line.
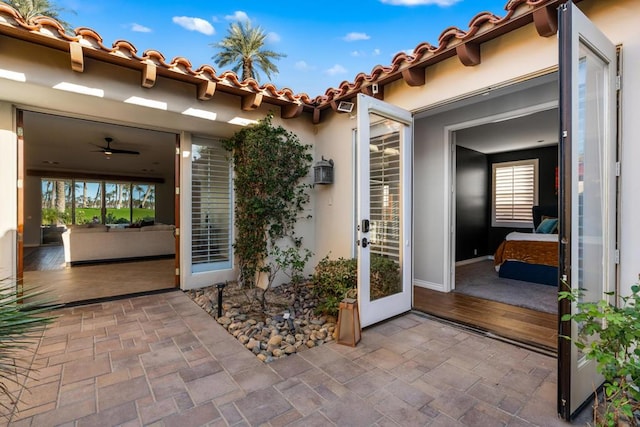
[531,131]
[59,143]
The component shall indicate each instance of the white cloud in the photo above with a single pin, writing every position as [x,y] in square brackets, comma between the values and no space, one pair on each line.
[273,37]
[336,69]
[441,3]
[354,36]
[238,15]
[303,66]
[362,53]
[139,28]
[195,24]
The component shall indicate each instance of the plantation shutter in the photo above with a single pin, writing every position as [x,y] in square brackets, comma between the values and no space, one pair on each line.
[385,191]
[211,207]
[515,192]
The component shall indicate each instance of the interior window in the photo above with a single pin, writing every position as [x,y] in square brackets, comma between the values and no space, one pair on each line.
[144,202]
[87,202]
[514,193]
[117,201]
[80,201]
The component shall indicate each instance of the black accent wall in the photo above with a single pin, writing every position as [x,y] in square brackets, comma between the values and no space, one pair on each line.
[474,235]
[472,195]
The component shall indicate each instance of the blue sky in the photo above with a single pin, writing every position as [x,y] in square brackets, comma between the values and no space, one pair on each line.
[326,41]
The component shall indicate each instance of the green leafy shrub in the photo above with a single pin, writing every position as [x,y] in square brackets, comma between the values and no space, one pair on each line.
[334,278]
[21,325]
[271,166]
[609,335]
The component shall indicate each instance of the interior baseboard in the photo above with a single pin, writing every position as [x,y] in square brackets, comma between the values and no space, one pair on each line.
[429,285]
[473,260]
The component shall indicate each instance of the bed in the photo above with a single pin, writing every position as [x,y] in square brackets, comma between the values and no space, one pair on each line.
[532,257]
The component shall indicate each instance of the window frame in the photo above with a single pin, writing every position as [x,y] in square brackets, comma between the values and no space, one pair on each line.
[514,223]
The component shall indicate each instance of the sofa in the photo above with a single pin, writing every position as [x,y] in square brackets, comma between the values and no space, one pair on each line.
[94,243]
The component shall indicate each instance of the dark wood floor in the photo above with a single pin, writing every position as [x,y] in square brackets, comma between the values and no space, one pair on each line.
[44,258]
[530,327]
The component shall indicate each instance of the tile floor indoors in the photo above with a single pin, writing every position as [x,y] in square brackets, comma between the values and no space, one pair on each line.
[159,360]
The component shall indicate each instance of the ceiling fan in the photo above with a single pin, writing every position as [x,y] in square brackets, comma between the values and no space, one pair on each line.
[108,150]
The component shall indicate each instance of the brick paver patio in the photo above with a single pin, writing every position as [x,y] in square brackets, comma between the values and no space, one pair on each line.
[159,360]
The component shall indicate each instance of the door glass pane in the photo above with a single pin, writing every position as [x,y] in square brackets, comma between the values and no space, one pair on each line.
[385,212]
[143,198]
[88,202]
[592,84]
[117,201]
[211,207]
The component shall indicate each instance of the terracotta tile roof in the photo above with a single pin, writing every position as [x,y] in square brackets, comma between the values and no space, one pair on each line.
[49,32]
[484,26]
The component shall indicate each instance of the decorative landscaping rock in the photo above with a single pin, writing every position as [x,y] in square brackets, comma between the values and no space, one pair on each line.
[288,325]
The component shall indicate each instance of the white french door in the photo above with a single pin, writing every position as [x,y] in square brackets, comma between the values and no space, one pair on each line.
[384,210]
[206,213]
[587,188]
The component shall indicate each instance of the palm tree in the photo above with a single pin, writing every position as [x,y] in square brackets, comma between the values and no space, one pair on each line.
[29,9]
[244,47]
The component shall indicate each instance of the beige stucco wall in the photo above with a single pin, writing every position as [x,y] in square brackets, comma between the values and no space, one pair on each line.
[335,204]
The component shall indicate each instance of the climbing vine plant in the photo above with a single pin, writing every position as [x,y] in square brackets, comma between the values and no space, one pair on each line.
[270,164]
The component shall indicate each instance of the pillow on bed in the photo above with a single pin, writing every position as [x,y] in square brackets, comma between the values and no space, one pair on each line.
[548,226]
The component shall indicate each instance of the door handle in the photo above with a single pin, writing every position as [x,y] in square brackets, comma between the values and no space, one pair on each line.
[365,242]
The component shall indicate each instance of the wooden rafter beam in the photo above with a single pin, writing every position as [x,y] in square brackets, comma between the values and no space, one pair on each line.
[251,101]
[291,111]
[414,76]
[545,20]
[469,53]
[376,91]
[316,116]
[77,57]
[206,89]
[149,74]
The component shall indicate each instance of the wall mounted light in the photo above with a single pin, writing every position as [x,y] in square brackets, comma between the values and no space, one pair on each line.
[323,172]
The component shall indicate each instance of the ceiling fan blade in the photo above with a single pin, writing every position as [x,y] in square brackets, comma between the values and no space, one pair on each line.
[108,150]
[120,151]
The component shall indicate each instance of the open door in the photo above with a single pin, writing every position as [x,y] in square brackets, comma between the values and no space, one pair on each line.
[384,210]
[587,188]
[20,201]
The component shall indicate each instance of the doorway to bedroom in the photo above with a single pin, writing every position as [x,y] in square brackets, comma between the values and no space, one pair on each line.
[98,209]
[502,151]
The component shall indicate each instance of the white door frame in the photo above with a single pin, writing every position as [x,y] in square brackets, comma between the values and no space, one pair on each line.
[450,179]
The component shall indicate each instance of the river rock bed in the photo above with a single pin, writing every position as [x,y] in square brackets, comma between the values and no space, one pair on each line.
[288,325]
